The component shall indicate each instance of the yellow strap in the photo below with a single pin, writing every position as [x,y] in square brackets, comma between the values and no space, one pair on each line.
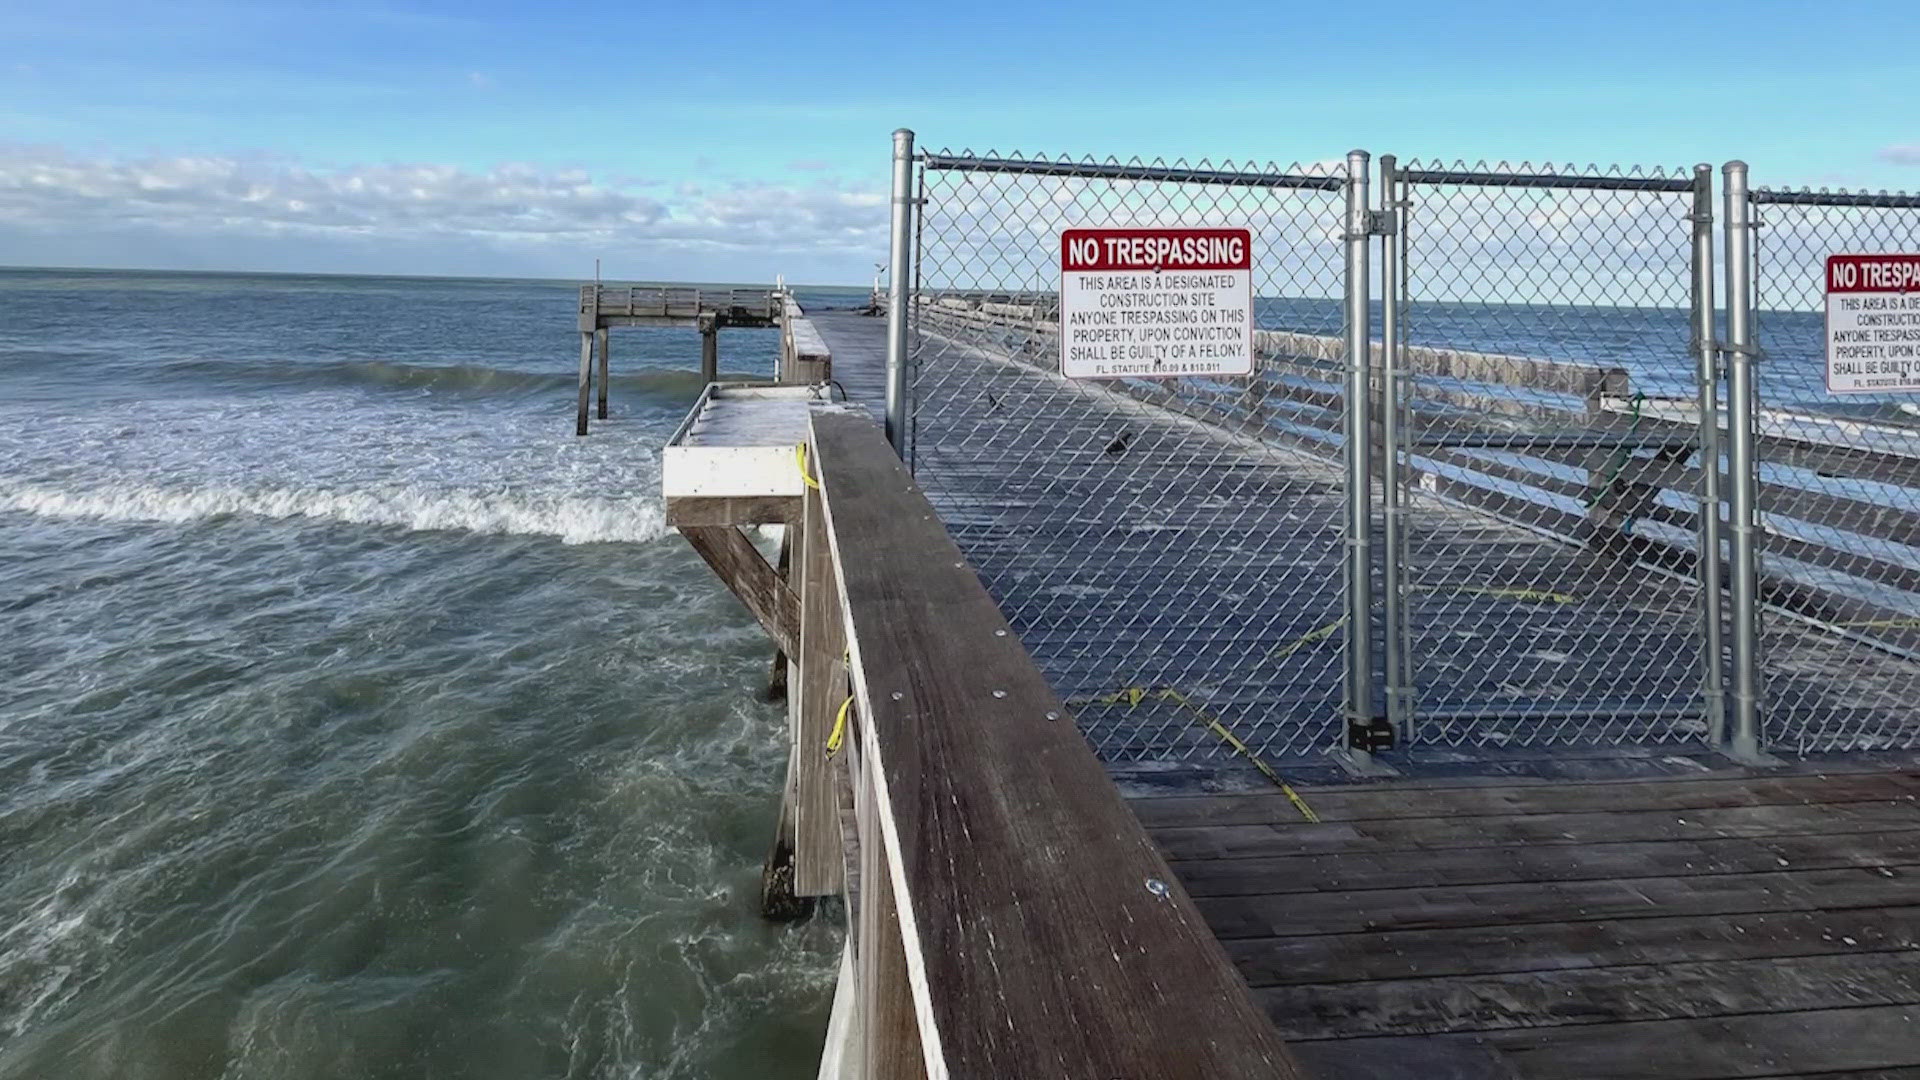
[1309,638]
[1537,596]
[1133,695]
[839,733]
[800,455]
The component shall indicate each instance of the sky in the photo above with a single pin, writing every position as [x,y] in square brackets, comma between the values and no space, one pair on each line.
[740,141]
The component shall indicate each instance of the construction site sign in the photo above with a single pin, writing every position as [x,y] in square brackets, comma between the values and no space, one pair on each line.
[1873,324]
[1155,303]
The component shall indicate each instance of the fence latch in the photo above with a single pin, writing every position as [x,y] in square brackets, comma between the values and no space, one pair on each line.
[1380,223]
[1372,735]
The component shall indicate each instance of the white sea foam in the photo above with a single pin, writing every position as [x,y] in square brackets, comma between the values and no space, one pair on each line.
[574,519]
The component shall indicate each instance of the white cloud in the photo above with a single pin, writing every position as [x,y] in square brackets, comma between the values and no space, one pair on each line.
[1902,154]
[510,208]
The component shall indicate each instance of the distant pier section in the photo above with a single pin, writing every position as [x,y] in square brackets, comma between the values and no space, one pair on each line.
[603,307]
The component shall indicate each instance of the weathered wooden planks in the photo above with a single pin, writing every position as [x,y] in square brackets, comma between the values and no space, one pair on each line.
[822,690]
[1376,803]
[1044,936]
[1542,999]
[1370,955]
[732,510]
[1734,925]
[1876,1041]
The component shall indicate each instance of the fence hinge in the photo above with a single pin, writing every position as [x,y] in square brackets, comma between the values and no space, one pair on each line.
[1381,223]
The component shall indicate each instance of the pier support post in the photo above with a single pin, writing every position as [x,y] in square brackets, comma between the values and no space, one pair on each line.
[1358,438]
[777,898]
[898,283]
[586,379]
[818,698]
[1393,390]
[1742,481]
[606,347]
[709,347]
[777,675]
[1713,692]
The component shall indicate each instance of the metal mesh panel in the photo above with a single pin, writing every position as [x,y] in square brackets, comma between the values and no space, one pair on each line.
[1839,493]
[1170,551]
[1549,405]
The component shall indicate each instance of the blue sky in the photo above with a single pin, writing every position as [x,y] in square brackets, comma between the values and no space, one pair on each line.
[741,140]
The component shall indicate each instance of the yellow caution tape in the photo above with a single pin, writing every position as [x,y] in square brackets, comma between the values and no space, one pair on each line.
[800,455]
[1536,596]
[1132,696]
[1885,624]
[839,733]
[1309,638]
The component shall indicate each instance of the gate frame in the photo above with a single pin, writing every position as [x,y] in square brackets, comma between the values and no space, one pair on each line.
[1741,350]
[1361,223]
[1396,186]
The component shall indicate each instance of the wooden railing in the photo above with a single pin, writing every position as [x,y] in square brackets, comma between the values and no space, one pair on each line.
[804,358]
[1010,918]
[740,307]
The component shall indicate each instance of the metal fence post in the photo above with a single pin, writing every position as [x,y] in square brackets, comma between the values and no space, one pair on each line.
[1392,582]
[1359,653]
[1713,697]
[1741,479]
[899,284]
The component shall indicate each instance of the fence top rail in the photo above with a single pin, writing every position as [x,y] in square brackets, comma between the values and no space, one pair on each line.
[1114,170]
[1582,181]
[1892,200]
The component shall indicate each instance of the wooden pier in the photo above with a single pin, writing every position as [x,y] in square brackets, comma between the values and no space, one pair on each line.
[1017,907]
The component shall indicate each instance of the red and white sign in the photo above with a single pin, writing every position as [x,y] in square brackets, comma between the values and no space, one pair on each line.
[1873,324]
[1155,303]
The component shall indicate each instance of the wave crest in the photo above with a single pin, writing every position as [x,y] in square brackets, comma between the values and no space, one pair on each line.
[663,385]
[574,520]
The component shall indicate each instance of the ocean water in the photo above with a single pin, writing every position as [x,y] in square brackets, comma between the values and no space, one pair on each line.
[356,719]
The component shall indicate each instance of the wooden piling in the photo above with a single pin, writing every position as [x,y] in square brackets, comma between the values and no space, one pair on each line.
[709,347]
[778,900]
[606,348]
[818,697]
[586,379]
[777,673]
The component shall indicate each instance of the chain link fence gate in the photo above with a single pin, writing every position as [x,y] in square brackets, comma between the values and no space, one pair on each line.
[1838,487]
[1544,550]
[1170,550]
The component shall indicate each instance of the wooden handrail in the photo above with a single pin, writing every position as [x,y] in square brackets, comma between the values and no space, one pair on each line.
[1006,893]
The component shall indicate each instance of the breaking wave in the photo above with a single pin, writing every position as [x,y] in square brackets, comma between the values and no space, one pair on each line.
[666,385]
[575,520]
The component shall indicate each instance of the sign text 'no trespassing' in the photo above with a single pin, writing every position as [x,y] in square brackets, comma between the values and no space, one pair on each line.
[1155,303]
[1873,324]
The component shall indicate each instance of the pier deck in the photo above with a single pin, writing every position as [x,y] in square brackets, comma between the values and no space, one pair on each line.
[1618,913]
[1635,907]
[1736,925]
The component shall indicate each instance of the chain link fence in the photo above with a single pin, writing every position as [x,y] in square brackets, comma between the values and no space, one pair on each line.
[1548,395]
[1839,487]
[1179,554]
[1170,550]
